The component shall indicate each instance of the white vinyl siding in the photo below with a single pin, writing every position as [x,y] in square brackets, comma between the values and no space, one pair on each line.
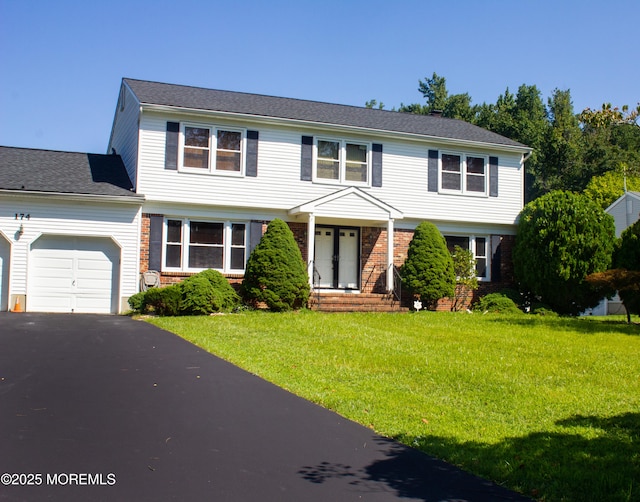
[124,136]
[116,221]
[278,186]
[5,257]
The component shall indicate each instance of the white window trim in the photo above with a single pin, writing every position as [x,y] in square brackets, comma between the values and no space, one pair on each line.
[213,149]
[472,248]
[342,158]
[463,173]
[226,245]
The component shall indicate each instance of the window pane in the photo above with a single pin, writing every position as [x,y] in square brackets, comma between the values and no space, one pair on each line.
[481,246]
[229,140]
[237,258]
[356,172]
[194,157]
[174,255]
[206,233]
[481,267]
[451,181]
[475,165]
[453,241]
[451,163]
[205,257]
[475,183]
[174,231]
[328,169]
[237,234]
[356,153]
[196,136]
[328,150]
[228,161]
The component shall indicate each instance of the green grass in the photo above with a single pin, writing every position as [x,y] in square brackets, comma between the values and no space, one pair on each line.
[549,407]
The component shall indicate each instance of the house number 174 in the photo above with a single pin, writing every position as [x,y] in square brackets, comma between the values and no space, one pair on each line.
[23,216]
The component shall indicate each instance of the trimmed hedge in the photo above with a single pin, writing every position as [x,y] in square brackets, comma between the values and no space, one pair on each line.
[201,294]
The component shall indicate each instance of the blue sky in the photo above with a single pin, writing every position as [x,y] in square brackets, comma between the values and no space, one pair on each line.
[61,62]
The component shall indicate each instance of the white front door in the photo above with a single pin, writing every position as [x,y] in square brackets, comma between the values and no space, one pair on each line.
[337,257]
[73,274]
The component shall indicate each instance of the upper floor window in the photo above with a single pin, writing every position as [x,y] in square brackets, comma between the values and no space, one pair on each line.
[192,245]
[342,161]
[478,246]
[463,173]
[212,149]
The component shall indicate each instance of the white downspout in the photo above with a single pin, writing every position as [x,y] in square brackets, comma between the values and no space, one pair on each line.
[311,245]
[390,239]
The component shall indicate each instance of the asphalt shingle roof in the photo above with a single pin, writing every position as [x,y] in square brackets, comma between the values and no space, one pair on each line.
[196,98]
[26,169]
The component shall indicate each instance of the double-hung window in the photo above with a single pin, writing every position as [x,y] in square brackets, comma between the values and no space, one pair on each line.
[193,245]
[462,173]
[212,149]
[342,162]
[478,246]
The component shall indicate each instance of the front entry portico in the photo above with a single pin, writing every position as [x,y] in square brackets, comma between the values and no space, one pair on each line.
[334,231]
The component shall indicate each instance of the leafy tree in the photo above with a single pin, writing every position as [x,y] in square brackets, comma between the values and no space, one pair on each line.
[562,237]
[434,90]
[464,267]
[428,270]
[275,272]
[609,187]
[561,157]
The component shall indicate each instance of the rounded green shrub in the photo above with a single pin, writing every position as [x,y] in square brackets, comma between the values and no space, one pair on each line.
[276,274]
[562,237]
[497,303]
[428,270]
[137,302]
[207,292]
[627,257]
[164,301]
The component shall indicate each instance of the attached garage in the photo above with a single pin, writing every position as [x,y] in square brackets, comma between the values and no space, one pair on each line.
[73,274]
[5,254]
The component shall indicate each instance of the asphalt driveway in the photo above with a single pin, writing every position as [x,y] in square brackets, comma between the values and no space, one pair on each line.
[108,408]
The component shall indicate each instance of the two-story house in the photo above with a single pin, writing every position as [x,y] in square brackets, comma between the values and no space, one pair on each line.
[209,169]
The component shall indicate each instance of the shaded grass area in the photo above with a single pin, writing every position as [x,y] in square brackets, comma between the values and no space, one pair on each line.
[549,407]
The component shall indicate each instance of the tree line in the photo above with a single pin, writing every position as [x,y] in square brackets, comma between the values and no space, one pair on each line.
[593,151]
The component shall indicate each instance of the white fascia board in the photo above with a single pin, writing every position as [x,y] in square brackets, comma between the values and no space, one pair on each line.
[338,127]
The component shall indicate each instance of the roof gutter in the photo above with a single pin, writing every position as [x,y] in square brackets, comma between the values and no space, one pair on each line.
[121,199]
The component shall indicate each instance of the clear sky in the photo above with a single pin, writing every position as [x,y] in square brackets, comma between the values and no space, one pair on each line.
[62,61]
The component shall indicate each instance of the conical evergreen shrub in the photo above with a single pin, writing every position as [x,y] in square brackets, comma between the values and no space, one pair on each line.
[275,273]
[428,270]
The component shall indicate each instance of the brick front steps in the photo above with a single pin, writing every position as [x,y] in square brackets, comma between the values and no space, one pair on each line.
[354,302]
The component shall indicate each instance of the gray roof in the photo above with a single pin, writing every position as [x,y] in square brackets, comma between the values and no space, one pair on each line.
[196,98]
[26,169]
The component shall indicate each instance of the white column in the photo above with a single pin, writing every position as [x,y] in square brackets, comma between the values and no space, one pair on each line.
[390,254]
[311,245]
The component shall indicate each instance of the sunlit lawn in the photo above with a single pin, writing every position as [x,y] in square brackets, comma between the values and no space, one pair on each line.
[546,406]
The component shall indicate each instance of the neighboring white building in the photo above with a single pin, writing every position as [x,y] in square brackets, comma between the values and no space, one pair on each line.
[625,211]
[209,169]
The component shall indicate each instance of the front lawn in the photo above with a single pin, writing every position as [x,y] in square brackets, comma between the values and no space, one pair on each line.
[549,407]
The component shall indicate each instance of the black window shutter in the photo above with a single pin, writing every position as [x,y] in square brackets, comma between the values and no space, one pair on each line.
[432,174]
[376,165]
[306,164]
[171,147]
[496,258]
[155,242]
[252,153]
[493,176]
[255,234]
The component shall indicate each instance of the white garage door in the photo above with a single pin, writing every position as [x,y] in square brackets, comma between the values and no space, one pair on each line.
[73,274]
[5,253]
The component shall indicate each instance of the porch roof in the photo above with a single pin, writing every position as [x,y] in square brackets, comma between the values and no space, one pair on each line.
[350,203]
